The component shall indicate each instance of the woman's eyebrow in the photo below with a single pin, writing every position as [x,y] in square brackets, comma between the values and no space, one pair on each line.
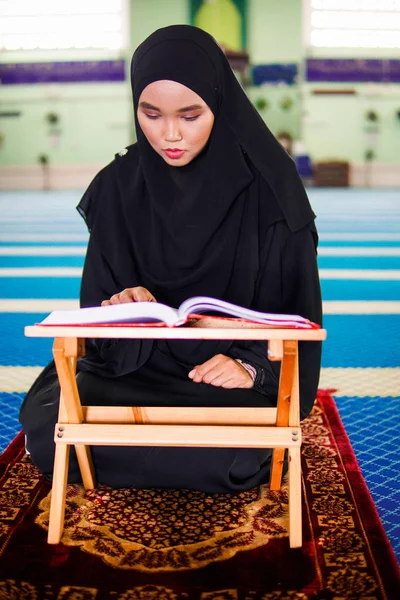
[181,110]
[148,106]
[189,108]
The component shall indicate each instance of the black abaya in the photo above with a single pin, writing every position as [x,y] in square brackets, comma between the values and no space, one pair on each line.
[155,373]
[226,225]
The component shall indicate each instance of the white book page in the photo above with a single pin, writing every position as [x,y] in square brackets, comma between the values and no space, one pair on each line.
[130,312]
[199,304]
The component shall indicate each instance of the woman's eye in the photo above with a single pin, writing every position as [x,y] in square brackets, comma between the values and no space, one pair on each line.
[191,118]
[152,116]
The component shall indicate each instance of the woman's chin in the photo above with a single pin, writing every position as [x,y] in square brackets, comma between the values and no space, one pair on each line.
[179,162]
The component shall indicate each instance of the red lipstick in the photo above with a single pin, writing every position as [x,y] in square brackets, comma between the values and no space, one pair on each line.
[174,153]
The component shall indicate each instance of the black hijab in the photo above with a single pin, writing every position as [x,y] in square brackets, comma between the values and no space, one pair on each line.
[192,57]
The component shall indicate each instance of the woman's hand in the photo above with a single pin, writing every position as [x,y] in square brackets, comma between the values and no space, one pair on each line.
[222,371]
[135,294]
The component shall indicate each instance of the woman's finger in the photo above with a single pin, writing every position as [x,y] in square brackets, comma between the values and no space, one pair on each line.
[126,296]
[229,374]
[136,294]
[198,372]
[217,372]
[232,378]
[221,380]
[141,294]
[115,299]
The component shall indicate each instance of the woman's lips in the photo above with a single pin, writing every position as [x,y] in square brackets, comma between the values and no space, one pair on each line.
[174,153]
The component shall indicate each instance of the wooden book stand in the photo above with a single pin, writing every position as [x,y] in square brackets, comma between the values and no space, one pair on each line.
[253,427]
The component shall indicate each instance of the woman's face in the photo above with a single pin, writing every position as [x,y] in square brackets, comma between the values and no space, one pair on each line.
[175,120]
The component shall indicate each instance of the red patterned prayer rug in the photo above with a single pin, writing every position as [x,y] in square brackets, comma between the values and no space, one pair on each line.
[185,545]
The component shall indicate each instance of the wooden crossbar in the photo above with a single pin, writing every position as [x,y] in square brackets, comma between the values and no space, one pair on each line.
[187,415]
[217,436]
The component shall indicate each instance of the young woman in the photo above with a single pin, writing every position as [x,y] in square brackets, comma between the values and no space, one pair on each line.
[205,203]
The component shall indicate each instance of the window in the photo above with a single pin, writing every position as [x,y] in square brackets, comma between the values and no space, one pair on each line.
[353,23]
[61,24]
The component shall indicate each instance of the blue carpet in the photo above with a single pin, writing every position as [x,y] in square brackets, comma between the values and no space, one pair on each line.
[9,409]
[68,287]
[324,262]
[21,350]
[372,431]
[49,243]
[361,341]
[359,262]
[360,289]
[49,218]
[39,287]
[12,262]
[356,244]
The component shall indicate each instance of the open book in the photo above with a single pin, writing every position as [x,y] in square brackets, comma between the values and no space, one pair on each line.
[155,313]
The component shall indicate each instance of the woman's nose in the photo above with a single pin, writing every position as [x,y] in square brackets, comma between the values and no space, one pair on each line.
[172,132]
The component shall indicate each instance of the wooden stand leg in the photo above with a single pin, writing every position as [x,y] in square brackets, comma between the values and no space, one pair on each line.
[58,492]
[86,467]
[288,414]
[66,351]
[295,521]
[278,457]
[287,395]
